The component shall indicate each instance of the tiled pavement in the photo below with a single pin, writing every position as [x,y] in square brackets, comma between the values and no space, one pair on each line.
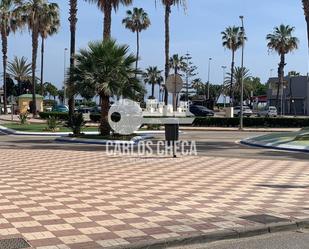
[71,199]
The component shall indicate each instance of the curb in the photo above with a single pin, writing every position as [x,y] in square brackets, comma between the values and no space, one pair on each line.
[219,235]
[72,140]
[244,142]
[233,129]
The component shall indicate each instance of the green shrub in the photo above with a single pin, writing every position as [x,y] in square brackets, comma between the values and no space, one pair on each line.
[76,123]
[23,117]
[52,123]
[95,117]
[251,122]
[63,116]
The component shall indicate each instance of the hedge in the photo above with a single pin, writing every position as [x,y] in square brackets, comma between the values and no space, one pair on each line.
[59,115]
[251,122]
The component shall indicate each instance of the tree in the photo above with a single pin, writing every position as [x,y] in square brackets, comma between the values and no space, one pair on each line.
[239,74]
[233,38]
[32,14]
[20,70]
[7,24]
[283,42]
[178,63]
[51,90]
[48,26]
[190,71]
[306,11]
[106,7]
[137,21]
[107,67]
[153,76]
[168,9]
[73,22]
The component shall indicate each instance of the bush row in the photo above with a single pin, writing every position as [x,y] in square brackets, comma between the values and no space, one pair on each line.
[252,122]
[214,121]
[59,115]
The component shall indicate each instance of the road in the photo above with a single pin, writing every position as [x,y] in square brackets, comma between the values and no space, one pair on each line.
[286,240]
[221,144]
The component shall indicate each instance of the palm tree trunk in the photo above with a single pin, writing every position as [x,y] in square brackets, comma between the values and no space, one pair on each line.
[73,21]
[167,47]
[42,66]
[232,78]
[35,37]
[4,60]
[137,49]
[281,79]
[152,90]
[104,125]
[107,20]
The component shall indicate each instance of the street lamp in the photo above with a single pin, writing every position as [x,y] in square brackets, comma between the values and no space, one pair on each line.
[242,75]
[224,72]
[64,75]
[208,82]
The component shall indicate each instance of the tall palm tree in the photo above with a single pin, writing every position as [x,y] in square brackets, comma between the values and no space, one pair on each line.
[168,9]
[137,21]
[153,76]
[73,22]
[20,70]
[233,38]
[306,11]
[32,14]
[177,63]
[48,26]
[106,7]
[107,67]
[7,24]
[283,42]
[239,75]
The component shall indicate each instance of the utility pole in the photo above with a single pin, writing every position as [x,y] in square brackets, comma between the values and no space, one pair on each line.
[208,82]
[187,77]
[64,75]
[242,75]
[224,73]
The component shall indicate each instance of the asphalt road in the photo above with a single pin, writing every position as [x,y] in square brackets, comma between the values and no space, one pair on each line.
[286,240]
[222,144]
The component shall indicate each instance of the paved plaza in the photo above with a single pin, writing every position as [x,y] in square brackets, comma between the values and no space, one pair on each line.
[59,199]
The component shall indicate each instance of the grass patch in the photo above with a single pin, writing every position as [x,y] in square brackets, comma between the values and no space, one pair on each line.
[41,127]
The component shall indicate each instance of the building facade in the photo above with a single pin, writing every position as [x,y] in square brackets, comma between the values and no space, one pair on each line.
[293,95]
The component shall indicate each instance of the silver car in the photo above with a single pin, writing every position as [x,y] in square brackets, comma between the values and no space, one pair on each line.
[270,111]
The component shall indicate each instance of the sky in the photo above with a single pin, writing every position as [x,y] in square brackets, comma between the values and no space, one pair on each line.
[197,30]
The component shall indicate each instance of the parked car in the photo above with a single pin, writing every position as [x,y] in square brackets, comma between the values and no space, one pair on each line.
[270,111]
[247,112]
[201,111]
[60,108]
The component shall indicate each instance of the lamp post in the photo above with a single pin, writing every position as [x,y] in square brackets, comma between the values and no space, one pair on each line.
[242,75]
[208,82]
[224,72]
[64,75]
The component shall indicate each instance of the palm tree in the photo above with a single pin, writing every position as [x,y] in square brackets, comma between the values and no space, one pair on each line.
[7,24]
[153,76]
[48,26]
[283,42]
[106,7]
[32,14]
[137,21]
[168,9]
[306,11]
[239,74]
[199,86]
[107,67]
[177,63]
[20,70]
[73,22]
[233,38]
